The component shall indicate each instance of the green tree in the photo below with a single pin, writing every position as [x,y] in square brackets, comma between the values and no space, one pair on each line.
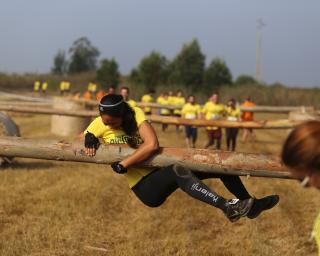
[59,63]
[134,76]
[83,56]
[188,66]
[108,72]
[152,70]
[217,74]
[245,79]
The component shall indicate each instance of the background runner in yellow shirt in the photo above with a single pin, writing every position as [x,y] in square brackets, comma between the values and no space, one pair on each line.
[213,110]
[36,86]
[164,111]
[148,98]
[118,123]
[125,92]
[233,114]
[178,101]
[191,111]
[44,87]
[300,153]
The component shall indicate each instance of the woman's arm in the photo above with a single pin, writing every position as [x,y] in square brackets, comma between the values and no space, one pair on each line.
[149,146]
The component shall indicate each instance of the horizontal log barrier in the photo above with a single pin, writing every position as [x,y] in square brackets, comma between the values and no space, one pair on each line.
[264,124]
[223,162]
[261,109]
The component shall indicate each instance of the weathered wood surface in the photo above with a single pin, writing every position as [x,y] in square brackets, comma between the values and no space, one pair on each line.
[264,124]
[223,162]
[48,111]
[262,109]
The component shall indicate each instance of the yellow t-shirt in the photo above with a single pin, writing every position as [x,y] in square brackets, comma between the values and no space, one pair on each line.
[316,232]
[147,98]
[190,111]
[213,111]
[159,99]
[111,136]
[67,86]
[36,86]
[164,111]
[178,101]
[44,86]
[171,100]
[62,86]
[132,103]
[233,114]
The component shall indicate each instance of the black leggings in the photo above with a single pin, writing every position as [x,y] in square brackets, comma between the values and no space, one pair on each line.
[154,188]
[231,134]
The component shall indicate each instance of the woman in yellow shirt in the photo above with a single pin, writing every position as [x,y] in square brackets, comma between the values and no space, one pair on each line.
[301,154]
[119,123]
[148,98]
[192,111]
[233,115]
[213,110]
[164,111]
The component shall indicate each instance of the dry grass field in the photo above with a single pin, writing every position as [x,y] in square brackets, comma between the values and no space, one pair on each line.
[56,208]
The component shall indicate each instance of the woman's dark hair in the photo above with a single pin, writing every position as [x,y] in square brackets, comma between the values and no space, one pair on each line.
[114,105]
[301,149]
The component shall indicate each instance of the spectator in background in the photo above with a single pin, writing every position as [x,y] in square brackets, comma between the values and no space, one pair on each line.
[92,88]
[233,114]
[213,110]
[191,111]
[44,87]
[62,87]
[100,95]
[76,95]
[164,111]
[247,117]
[125,93]
[67,87]
[148,98]
[87,95]
[111,90]
[178,101]
[36,86]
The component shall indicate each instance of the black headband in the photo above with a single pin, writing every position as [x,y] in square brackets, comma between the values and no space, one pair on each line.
[112,109]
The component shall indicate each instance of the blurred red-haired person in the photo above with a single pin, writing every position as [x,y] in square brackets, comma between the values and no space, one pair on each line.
[301,154]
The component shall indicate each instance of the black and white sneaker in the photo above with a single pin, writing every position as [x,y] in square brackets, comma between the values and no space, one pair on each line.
[235,208]
[262,204]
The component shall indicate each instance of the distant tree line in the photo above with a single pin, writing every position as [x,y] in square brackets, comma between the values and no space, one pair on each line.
[83,57]
[187,68]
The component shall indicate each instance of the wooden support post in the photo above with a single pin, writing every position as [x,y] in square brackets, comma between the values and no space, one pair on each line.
[222,162]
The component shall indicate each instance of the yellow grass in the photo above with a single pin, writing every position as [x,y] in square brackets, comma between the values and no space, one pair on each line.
[57,208]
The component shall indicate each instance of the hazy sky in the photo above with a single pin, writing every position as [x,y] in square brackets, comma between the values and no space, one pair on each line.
[32,31]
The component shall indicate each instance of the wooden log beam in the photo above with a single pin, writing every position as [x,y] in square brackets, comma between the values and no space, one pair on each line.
[48,111]
[222,162]
[261,109]
[265,124]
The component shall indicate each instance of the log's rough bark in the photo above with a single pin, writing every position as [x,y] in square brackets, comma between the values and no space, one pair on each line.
[263,109]
[223,162]
[265,124]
